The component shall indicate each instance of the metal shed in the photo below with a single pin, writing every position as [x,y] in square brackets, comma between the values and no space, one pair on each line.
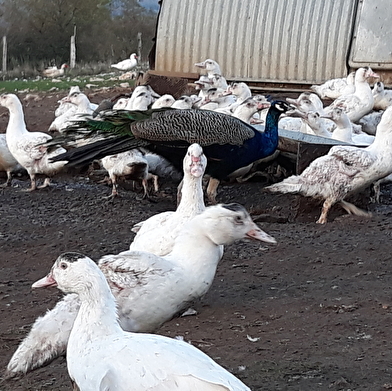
[274,43]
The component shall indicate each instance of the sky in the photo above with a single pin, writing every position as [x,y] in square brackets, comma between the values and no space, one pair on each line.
[150,4]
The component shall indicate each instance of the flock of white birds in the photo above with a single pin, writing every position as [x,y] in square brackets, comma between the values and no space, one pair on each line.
[174,255]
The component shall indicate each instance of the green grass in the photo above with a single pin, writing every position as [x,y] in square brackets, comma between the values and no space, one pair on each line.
[64,83]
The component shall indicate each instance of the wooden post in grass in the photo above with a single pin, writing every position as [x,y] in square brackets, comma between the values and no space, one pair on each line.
[139,47]
[4,69]
[72,56]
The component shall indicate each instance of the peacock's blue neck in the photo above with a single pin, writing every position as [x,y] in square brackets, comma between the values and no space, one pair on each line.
[270,137]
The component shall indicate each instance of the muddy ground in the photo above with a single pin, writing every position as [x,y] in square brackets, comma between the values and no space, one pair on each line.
[313,312]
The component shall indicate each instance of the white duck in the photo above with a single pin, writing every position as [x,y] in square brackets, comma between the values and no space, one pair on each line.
[165,100]
[149,289]
[7,161]
[161,167]
[382,97]
[361,101]
[344,171]
[146,90]
[344,129]
[102,356]
[248,108]
[25,146]
[131,164]
[66,106]
[82,106]
[203,84]
[334,88]
[307,102]
[53,72]
[211,66]
[126,65]
[157,234]
[370,121]
[241,92]
[139,102]
[215,99]
[121,104]
[184,102]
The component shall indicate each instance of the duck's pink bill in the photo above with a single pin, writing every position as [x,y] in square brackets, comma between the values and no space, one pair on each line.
[45,282]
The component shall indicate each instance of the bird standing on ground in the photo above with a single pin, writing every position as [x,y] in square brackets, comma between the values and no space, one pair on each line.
[101,356]
[157,234]
[7,161]
[126,65]
[344,171]
[131,164]
[149,289]
[26,147]
[228,143]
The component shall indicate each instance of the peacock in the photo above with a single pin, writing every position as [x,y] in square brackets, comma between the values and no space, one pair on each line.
[228,142]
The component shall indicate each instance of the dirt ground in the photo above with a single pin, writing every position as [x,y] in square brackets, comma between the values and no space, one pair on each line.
[313,312]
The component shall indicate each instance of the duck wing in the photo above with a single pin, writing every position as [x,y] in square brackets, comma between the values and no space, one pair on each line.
[131,269]
[358,158]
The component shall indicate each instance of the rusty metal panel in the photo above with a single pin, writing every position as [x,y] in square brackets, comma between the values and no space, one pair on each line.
[278,41]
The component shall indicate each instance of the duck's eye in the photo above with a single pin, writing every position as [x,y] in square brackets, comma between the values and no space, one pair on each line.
[238,220]
[63,265]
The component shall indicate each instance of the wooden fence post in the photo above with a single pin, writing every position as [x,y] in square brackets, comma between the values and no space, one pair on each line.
[4,54]
[72,57]
[139,47]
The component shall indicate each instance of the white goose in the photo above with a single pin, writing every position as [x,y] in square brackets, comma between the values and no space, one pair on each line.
[126,65]
[149,289]
[25,146]
[344,171]
[7,161]
[53,72]
[334,88]
[102,356]
[361,101]
[382,97]
[157,234]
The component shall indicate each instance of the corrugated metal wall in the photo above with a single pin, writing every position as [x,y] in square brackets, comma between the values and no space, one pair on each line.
[279,41]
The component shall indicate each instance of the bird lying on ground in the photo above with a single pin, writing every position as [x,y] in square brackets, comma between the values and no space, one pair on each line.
[149,289]
[102,356]
[228,142]
[53,72]
[343,171]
